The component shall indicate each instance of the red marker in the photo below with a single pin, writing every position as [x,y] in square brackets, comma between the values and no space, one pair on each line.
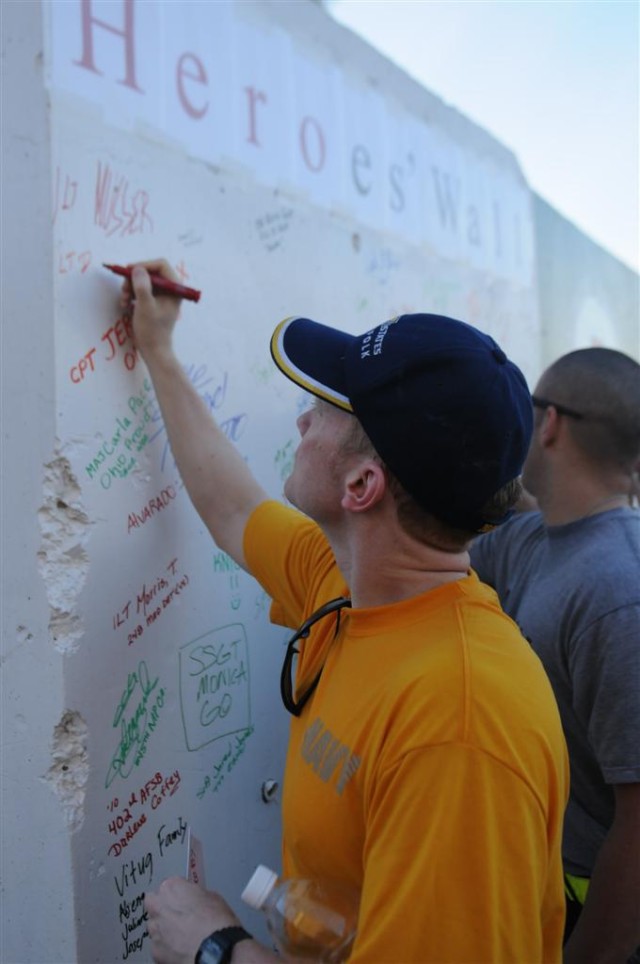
[159,283]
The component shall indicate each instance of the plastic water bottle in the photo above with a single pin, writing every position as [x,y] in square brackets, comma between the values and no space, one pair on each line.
[309,920]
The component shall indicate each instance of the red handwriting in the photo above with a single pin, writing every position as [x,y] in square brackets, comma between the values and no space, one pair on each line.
[128,833]
[155,505]
[126,823]
[120,821]
[118,208]
[159,788]
[150,602]
[116,337]
[83,367]
[118,334]
[74,261]
[182,272]
[64,194]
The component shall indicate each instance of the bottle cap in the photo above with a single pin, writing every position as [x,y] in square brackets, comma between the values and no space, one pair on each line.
[259,887]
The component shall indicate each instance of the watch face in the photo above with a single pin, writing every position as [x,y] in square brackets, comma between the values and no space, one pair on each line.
[217,948]
[213,951]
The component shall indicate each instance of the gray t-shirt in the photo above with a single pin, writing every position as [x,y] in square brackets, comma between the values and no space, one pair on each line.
[574,590]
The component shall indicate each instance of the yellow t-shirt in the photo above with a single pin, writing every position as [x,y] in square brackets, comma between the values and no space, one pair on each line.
[428,769]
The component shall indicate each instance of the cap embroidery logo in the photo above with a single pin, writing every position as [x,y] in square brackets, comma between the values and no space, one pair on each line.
[365,347]
[371,344]
[380,332]
[377,345]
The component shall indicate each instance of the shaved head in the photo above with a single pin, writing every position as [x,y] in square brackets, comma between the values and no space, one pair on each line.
[603,385]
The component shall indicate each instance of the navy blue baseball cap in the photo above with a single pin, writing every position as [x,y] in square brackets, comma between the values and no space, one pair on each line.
[445,409]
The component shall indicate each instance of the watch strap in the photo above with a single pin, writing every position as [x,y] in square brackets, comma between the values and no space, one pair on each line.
[217,948]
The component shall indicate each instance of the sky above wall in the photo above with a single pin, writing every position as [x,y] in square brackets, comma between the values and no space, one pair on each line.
[557,81]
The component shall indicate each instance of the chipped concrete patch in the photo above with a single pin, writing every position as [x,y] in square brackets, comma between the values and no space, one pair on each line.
[69,771]
[62,559]
[65,629]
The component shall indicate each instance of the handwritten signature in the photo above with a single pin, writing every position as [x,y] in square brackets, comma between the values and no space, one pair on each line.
[141,721]
[226,763]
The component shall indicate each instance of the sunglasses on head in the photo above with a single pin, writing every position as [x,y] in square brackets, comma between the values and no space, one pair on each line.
[560,409]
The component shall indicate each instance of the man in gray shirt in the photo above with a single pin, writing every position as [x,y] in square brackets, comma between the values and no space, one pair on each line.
[569,575]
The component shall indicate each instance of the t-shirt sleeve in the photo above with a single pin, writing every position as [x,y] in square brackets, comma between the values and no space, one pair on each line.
[456,861]
[290,557]
[500,556]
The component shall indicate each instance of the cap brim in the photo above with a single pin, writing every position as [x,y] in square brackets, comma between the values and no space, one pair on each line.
[312,355]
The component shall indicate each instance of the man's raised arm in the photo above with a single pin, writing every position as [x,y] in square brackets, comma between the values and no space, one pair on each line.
[220,485]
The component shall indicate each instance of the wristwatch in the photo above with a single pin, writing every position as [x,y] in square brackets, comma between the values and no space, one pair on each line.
[217,948]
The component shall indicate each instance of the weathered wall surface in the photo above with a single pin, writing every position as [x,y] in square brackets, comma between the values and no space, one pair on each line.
[38,922]
[587,297]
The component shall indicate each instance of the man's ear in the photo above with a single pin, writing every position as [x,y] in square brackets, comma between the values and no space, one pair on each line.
[364,486]
[549,427]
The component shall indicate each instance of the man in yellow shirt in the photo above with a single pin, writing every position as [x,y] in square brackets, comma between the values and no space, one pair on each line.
[426,767]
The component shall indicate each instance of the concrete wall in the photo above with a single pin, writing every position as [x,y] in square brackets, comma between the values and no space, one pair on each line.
[586,296]
[38,921]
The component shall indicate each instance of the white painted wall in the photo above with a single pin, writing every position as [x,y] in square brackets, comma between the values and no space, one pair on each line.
[320,181]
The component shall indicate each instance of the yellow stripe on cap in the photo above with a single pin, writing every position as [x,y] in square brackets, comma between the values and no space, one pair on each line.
[301,378]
